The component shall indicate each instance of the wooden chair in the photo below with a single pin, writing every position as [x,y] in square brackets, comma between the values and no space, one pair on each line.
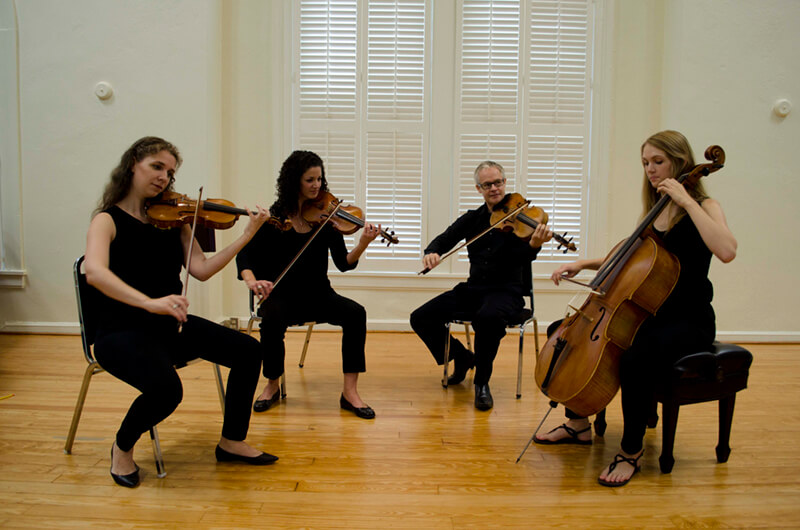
[254,317]
[86,296]
[519,322]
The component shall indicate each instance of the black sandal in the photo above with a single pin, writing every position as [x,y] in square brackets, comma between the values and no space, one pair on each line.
[572,439]
[634,462]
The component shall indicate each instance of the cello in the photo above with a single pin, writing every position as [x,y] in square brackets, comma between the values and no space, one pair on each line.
[579,364]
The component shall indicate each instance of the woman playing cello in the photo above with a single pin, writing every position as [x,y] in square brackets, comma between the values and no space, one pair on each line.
[692,227]
[304,292]
[136,266]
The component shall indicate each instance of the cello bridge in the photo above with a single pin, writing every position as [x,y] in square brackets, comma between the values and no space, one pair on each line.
[584,315]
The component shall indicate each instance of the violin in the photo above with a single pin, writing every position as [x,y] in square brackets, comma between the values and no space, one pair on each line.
[328,209]
[345,219]
[525,221]
[172,209]
[579,364]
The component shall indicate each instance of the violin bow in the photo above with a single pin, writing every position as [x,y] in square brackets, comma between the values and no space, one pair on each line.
[464,244]
[297,256]
[189,252]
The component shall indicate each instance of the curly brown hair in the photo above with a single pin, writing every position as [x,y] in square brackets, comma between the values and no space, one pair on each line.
[288,186]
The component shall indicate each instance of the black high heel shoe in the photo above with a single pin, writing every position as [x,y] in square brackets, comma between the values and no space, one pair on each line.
[362,412]
[261,460]
[129,481]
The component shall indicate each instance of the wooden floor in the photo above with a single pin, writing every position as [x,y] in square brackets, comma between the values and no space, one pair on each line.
[429,460]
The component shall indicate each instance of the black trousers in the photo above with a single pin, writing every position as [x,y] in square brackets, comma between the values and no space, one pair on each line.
[278,313]
[145,359]
[489,309]
[658,344]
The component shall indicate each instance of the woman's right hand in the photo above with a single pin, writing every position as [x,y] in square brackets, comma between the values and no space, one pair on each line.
[174,305]
[260,288]
[568,270]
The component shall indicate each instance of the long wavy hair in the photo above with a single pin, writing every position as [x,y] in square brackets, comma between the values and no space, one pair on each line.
[122,176]
[288,186]
[679,152]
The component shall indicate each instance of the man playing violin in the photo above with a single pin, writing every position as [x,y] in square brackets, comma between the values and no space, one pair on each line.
[493,293]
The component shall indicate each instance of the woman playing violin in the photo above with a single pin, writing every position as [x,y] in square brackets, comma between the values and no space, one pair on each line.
[136,267]
[693,228]
[304,292]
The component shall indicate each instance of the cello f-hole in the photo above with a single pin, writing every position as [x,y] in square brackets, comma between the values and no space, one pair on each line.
[593,336]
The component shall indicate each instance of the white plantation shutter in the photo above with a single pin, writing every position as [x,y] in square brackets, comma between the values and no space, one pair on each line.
[361,93]
[328,59]
[490,61]
[361,107]
[547,134]
[474,149]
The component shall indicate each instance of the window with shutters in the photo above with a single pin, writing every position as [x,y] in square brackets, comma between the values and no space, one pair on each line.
[524,101]
[361,93]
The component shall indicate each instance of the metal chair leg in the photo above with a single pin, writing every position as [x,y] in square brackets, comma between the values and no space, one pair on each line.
[305,346]
[469,340]
[446,355]
[283,386]
[161,472]
[519,361]
[91,369]
[220,386]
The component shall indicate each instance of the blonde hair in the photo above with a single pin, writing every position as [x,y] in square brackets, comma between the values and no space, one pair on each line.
[677,149]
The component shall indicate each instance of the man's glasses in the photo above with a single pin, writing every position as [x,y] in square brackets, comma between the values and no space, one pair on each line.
[493,184]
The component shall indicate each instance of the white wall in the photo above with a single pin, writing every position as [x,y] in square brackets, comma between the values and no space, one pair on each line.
[211,77]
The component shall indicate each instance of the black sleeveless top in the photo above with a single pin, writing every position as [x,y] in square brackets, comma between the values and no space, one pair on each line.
[148,259]
[691,298]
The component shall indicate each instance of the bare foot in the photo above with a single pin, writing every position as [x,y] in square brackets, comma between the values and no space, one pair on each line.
[238,448]
[122,461]
[621,470]
[581,428]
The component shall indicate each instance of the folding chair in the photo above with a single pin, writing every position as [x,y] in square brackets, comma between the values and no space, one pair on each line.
[254,317]
[86,296]
[519,322]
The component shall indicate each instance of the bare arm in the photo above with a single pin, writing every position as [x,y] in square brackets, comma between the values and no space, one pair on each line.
[708,218]
[202,267]
[569,270]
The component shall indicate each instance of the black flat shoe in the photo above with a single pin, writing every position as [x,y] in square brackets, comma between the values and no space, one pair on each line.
[462,366]
[483,397]
[364,412]
[263,405]
[129,481]
[261,460]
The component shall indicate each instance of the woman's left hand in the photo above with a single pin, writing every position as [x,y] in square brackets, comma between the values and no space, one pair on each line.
[370,233]
[676,191]
[256,220]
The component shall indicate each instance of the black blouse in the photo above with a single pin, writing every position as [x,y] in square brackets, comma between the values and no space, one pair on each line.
[271,250]
[497,258]
[148,259]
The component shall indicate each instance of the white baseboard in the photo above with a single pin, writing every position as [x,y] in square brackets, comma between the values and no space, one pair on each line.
[72,328]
